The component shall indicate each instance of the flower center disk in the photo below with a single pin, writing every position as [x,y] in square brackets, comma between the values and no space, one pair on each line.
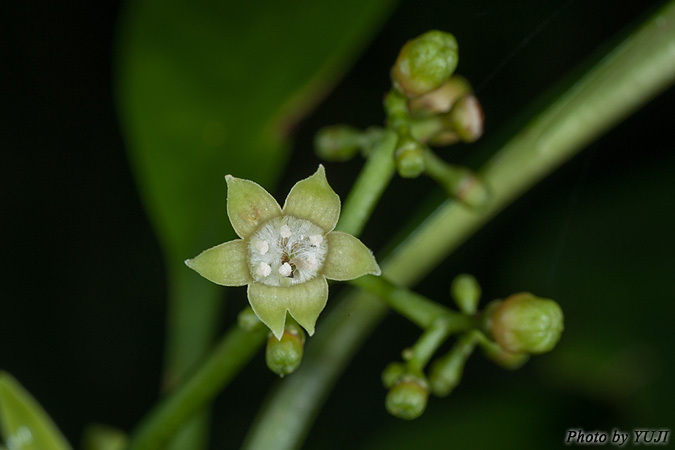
[286,250]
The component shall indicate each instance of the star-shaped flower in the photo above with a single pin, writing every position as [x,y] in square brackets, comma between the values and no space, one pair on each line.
[285,254]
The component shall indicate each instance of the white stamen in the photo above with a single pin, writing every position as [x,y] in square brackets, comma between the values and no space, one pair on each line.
[285,231]
[262,247]
[316,239]
[285,270]
[263,269]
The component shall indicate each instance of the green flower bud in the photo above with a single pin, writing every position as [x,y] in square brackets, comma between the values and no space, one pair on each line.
[407,399]
[392,373]
[524,323]
[338,142]
[425,63]
[409,158]
[284,355]
[466,119]
[465,290]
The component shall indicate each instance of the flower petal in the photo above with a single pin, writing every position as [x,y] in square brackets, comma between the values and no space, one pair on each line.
[348,258]
[313,199]
[223,264]
[249,205]
[304,301]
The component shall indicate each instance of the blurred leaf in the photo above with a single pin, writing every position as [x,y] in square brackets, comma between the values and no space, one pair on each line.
[208,88]
[23,422]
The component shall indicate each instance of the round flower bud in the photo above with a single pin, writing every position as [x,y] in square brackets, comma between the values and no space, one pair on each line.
[392,373]
[425,63]
[409,158]
[524,323]
[407,399]
[284,355]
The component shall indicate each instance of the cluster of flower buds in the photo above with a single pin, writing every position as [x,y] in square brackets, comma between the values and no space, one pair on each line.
[427,106]
[507,331]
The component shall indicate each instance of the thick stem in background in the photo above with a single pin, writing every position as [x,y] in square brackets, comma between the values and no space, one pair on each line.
[634,72]
[232,353]
[190,334]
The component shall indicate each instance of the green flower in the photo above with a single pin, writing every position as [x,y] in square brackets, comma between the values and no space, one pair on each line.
[285,254]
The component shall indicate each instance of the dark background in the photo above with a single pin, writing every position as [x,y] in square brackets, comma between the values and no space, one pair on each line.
[83,286]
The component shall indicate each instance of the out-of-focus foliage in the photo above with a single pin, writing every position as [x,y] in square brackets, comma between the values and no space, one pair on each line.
[23,422]
[211,88]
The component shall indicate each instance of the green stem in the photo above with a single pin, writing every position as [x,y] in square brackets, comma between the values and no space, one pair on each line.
[438,321]
[369,186]
[190,334]
[639,68]
[415,307]
[234,351]
[458,183]
[428,343]
[446,371]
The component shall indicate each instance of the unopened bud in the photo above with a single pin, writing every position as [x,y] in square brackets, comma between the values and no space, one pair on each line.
[441,100]
[283,356]
[338,142]
[407,399]
[409,158]
[392,373]
[524,323]
[466,118]
[465,290]
[425,63]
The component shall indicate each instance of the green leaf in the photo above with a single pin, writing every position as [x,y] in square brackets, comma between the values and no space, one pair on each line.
[23,422]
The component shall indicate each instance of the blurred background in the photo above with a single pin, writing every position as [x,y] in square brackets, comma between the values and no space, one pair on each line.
[84,281]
